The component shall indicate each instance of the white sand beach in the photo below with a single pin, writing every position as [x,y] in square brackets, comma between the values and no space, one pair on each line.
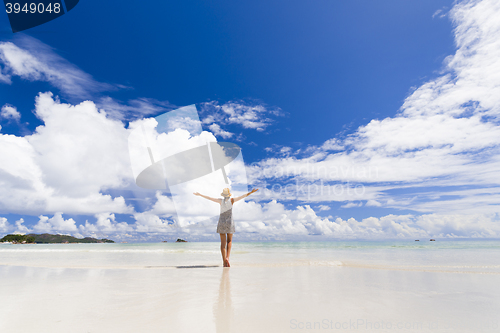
[68,288]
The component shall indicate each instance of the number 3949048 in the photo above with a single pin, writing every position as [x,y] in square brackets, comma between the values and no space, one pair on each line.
[32,8]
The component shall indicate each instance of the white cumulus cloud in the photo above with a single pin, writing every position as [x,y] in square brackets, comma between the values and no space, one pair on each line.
[55,224]
[10,112]
[66,163]
[4,225]
[255,116]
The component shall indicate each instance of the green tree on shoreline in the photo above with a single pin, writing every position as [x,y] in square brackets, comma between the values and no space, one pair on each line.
[27,239]
[48,239]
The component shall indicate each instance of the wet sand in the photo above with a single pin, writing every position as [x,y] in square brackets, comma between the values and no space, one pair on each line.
[246,298]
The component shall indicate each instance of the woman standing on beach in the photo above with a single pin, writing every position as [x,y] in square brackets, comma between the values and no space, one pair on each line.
[225,227]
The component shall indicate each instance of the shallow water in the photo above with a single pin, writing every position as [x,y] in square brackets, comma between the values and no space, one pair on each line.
[457,256]
[442,286]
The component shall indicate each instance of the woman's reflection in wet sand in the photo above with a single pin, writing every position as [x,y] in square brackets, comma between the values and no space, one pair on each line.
[223,308]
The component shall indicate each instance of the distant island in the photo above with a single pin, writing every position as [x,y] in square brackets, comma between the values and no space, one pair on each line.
[179,240]
[50,239]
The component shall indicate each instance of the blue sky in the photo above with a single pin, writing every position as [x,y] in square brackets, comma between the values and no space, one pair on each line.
[384,96]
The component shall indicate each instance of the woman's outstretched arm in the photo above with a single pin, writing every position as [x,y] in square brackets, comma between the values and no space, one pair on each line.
[245,195]
[209,198]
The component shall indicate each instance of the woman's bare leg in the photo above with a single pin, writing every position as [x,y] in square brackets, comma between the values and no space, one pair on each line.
[229,243]
[223,244]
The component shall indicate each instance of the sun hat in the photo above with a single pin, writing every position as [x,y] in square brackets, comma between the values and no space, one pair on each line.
[225,192]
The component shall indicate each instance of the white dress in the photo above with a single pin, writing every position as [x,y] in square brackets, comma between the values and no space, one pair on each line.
[226,223]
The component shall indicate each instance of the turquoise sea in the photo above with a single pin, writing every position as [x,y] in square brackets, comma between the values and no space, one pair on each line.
[467,256]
